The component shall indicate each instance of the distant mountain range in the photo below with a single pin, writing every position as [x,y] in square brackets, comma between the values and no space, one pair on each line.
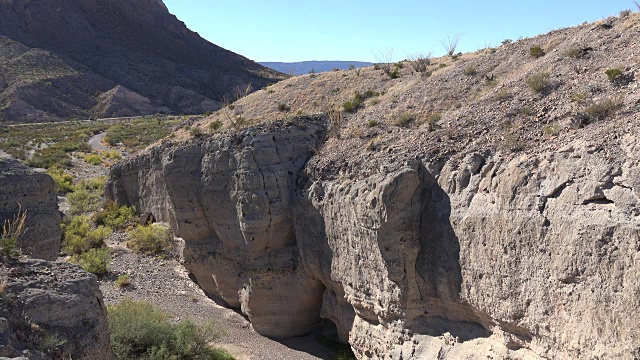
[62,59]
[305,67]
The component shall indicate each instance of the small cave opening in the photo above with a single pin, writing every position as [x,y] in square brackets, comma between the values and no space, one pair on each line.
[329,336]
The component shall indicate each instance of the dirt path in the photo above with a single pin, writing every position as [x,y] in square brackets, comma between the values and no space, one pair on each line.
[165,283]
[96,142]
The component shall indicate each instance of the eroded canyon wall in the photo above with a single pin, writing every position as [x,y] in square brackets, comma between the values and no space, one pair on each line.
[480,253]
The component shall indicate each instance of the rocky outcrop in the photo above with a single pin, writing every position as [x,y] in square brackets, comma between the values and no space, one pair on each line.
[476,253]
[229,199]
[22,188]
[51,310]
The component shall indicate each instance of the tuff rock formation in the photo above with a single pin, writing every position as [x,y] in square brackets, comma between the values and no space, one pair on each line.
[22,188]
[479,253]
[229,199]
[51,310]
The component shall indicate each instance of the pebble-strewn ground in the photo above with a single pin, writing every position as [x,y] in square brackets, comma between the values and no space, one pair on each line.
[166,284]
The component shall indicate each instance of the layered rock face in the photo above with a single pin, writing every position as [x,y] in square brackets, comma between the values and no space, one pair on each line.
[229,199]
[52,310]
[33,192]
[477,254]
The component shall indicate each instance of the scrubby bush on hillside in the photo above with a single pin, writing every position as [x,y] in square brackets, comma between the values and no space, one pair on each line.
[151,239]
[93,159]
[420,62]
[114,216]
[574,53]
[86,195]
[122,281]
[283,107]
[616,76]
[140,331]
[11,231]
[405,119]
[82,200]
[538,82]
[95,261]
[79,236]
[62,180]
[536,52]
[358,100]
[600,110]
[215,125]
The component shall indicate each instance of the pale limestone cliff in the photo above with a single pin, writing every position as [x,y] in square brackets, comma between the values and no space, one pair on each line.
[229,199]
[475,254]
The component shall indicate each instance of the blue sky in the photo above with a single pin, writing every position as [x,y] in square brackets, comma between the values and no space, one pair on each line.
[287,30]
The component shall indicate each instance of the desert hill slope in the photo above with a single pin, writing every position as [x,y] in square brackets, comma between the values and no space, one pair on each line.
[98,45]
[306,67]
[482,205]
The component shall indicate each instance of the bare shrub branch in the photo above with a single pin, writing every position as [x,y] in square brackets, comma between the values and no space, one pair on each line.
[450,43]
[384,60]
[420,62]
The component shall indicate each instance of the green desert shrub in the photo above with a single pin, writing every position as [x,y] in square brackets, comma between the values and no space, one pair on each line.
[405,119]
[215,125]
[122,281]
[62,180]
[433,118]
[140,331]
[93,159]
[578,97]
[95,261]
[50,157]
[83,200]
[114,216]
[538,82]
[358,100]
[111,154]
[536,52]
[602,109]
[284,107]
[574,53]
[151,239]
[12,230]
[616,76]
[79,236]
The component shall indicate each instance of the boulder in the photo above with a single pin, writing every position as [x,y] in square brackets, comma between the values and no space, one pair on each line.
[22,188]
[52,310]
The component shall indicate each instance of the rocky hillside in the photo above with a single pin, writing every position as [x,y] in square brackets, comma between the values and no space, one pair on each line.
[64,59]
[306,67]
[477,205]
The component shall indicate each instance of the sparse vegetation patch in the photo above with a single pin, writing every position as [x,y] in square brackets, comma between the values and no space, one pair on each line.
[140,331]
[538,82]
[600,110]
[405,119]
[358,100]
[150,239]
[536,52]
